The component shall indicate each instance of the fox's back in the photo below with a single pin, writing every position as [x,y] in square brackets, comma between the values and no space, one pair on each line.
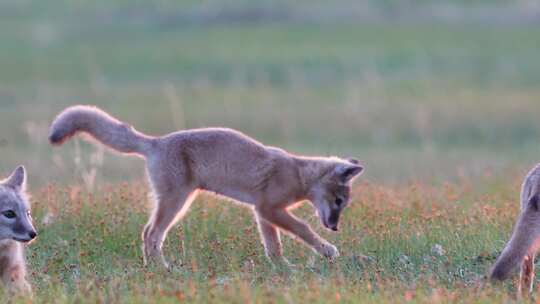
[218,144]
[217,159]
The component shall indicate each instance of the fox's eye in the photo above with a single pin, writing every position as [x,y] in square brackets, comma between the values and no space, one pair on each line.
[9,214]
[339,201]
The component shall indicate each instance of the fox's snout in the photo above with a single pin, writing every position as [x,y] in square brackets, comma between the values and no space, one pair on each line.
[23,231]
[18,234]
[32,235]
[24,235]
[333,220]
[331,226]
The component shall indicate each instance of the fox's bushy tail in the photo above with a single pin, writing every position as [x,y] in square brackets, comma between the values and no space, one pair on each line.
[101,126]
[524,241]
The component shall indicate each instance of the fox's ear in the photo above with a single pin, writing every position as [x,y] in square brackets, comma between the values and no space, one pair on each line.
[17,179]
[346,172]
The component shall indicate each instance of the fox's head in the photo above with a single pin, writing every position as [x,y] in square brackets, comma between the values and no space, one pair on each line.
[15,218]
[330,193]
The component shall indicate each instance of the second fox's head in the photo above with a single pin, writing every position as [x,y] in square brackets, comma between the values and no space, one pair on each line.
[15,218]
[330,193]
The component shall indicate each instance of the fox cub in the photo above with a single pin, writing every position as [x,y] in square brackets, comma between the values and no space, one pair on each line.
[15,229]
[228,163]
[525,241]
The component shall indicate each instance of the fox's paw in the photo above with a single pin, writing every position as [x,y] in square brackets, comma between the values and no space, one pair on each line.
[329,251]
[282,265]
[156,263]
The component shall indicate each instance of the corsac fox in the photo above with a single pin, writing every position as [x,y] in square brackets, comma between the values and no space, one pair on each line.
[525,240]
[230,164]
[15,228]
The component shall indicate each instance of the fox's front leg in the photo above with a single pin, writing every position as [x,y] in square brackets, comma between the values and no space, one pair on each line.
[14,279]
[526,276]
[290,223]
[272,241]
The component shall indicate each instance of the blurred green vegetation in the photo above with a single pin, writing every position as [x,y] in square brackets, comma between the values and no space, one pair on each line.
[415,89]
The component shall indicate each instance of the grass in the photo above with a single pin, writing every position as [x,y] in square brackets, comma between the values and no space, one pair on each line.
[424,243]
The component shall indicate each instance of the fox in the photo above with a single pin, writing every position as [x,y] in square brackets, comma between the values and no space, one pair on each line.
[229,164]
[521,249]
[16,228]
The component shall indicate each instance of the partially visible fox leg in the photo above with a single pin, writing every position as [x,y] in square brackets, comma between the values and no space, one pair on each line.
[271,239]
[526,276]
[15,278]
[171,206]
[290,223]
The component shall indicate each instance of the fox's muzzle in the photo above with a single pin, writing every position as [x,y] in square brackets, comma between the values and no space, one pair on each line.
[24,230]
[333,220]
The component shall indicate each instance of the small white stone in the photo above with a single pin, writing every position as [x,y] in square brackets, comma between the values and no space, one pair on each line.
[437,249]
[403,259]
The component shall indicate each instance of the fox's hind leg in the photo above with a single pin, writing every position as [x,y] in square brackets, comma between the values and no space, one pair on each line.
[171,206]
[526,276]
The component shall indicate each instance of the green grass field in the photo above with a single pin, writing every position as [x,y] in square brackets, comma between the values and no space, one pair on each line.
[439,99]
[423,243]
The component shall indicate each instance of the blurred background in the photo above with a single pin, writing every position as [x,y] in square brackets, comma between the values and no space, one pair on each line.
[429,90]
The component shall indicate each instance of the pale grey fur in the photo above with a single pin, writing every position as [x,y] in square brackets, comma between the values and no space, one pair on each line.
[14,231]
[525,240]
[228,163]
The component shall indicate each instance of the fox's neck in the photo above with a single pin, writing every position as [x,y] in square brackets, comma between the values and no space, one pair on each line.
[310,170]
[7,243]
